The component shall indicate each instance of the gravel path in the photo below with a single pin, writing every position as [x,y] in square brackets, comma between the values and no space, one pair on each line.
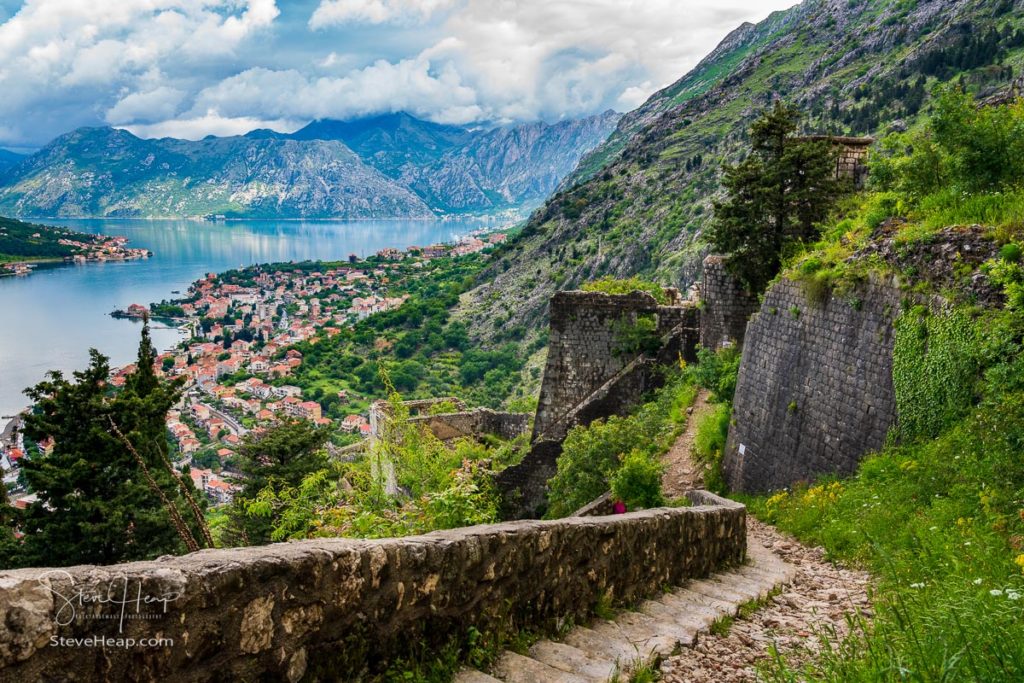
[818,600]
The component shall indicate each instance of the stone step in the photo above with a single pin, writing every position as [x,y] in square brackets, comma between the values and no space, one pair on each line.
[573,660]
[473,676]
[610,649]
[515,668]
[690,618]
[714,589]
[648,646]
[639,626]
[686,596]
[617,648]
[751,589]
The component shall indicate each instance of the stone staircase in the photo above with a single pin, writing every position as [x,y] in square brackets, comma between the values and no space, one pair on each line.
[612,650]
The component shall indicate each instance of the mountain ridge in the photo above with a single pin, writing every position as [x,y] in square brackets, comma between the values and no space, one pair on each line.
[389,166]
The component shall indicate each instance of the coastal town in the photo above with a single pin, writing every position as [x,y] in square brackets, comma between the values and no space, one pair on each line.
[237,365]
[79,249]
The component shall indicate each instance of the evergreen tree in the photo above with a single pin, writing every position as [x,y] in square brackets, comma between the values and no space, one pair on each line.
[280,457]
[106,494]
[777,195]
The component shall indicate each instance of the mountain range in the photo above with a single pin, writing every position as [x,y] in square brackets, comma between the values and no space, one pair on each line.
[386,166]
[639,202]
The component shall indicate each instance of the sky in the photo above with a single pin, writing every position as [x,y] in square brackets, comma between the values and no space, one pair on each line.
[191,68]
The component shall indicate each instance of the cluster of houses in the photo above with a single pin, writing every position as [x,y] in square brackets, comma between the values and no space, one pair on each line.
[236,365]
[103,249]
[470,244]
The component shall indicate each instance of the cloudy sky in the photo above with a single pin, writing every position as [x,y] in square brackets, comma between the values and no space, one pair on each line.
[188,68]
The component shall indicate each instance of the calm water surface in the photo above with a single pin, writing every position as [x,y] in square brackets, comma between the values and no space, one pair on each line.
[50,319]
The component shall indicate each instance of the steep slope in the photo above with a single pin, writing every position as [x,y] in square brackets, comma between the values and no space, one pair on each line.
[9,158]
[512,165]
[854,65]
[456,169]
[109,172]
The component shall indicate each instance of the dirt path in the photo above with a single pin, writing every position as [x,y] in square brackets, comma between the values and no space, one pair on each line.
[819,598]
[681,473]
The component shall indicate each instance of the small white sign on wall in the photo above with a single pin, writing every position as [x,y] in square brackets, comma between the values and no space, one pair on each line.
[743,449]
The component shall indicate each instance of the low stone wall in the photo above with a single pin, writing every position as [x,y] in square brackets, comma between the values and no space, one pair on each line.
[815,391]
[472,423]
[336,608]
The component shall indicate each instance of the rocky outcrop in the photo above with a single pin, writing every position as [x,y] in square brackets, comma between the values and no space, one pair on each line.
[335,608]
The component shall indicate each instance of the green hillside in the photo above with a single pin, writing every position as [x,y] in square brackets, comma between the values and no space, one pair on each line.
[855,67]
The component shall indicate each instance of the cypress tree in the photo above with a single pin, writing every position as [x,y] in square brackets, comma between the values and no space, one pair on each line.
[105,494]
[777,195]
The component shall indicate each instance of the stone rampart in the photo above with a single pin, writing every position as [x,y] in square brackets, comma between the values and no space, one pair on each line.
[473,423]
[592,372]
[815,391]
[334,609]
[725,306]
[586,346]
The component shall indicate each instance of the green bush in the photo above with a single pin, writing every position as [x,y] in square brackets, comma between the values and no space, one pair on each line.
[709,444]
[637,482]
[717,371]
[610,285]
[592,454]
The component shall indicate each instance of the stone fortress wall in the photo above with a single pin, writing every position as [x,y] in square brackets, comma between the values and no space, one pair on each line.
[589,375]
[815,391]
[725,306]
[331,608]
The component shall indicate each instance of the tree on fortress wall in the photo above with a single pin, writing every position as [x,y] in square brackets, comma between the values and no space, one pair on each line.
[106,493]
[776,196]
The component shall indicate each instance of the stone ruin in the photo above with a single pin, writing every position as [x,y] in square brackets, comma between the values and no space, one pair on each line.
[590,375]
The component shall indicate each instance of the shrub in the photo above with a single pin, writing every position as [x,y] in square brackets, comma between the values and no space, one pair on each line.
[717,372]
[637,482]
[610,285]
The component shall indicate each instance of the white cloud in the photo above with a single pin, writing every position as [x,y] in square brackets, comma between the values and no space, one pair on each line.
[158,104]
[210,123]
[163,67]
[409,85]
[338,12]
[85,58]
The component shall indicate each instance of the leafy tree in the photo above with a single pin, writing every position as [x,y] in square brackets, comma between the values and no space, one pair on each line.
[106,492]
[777,195]
[277,459]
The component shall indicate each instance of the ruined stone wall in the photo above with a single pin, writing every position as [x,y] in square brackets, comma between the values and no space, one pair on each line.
[588,376]
[725,306]
[476,422]
[815,391]
[331,609]
[584,347]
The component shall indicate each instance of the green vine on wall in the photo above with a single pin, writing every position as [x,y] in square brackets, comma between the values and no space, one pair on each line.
[935,364]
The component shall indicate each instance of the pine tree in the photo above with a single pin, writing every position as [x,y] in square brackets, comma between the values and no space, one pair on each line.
[105,493]
[777,195]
